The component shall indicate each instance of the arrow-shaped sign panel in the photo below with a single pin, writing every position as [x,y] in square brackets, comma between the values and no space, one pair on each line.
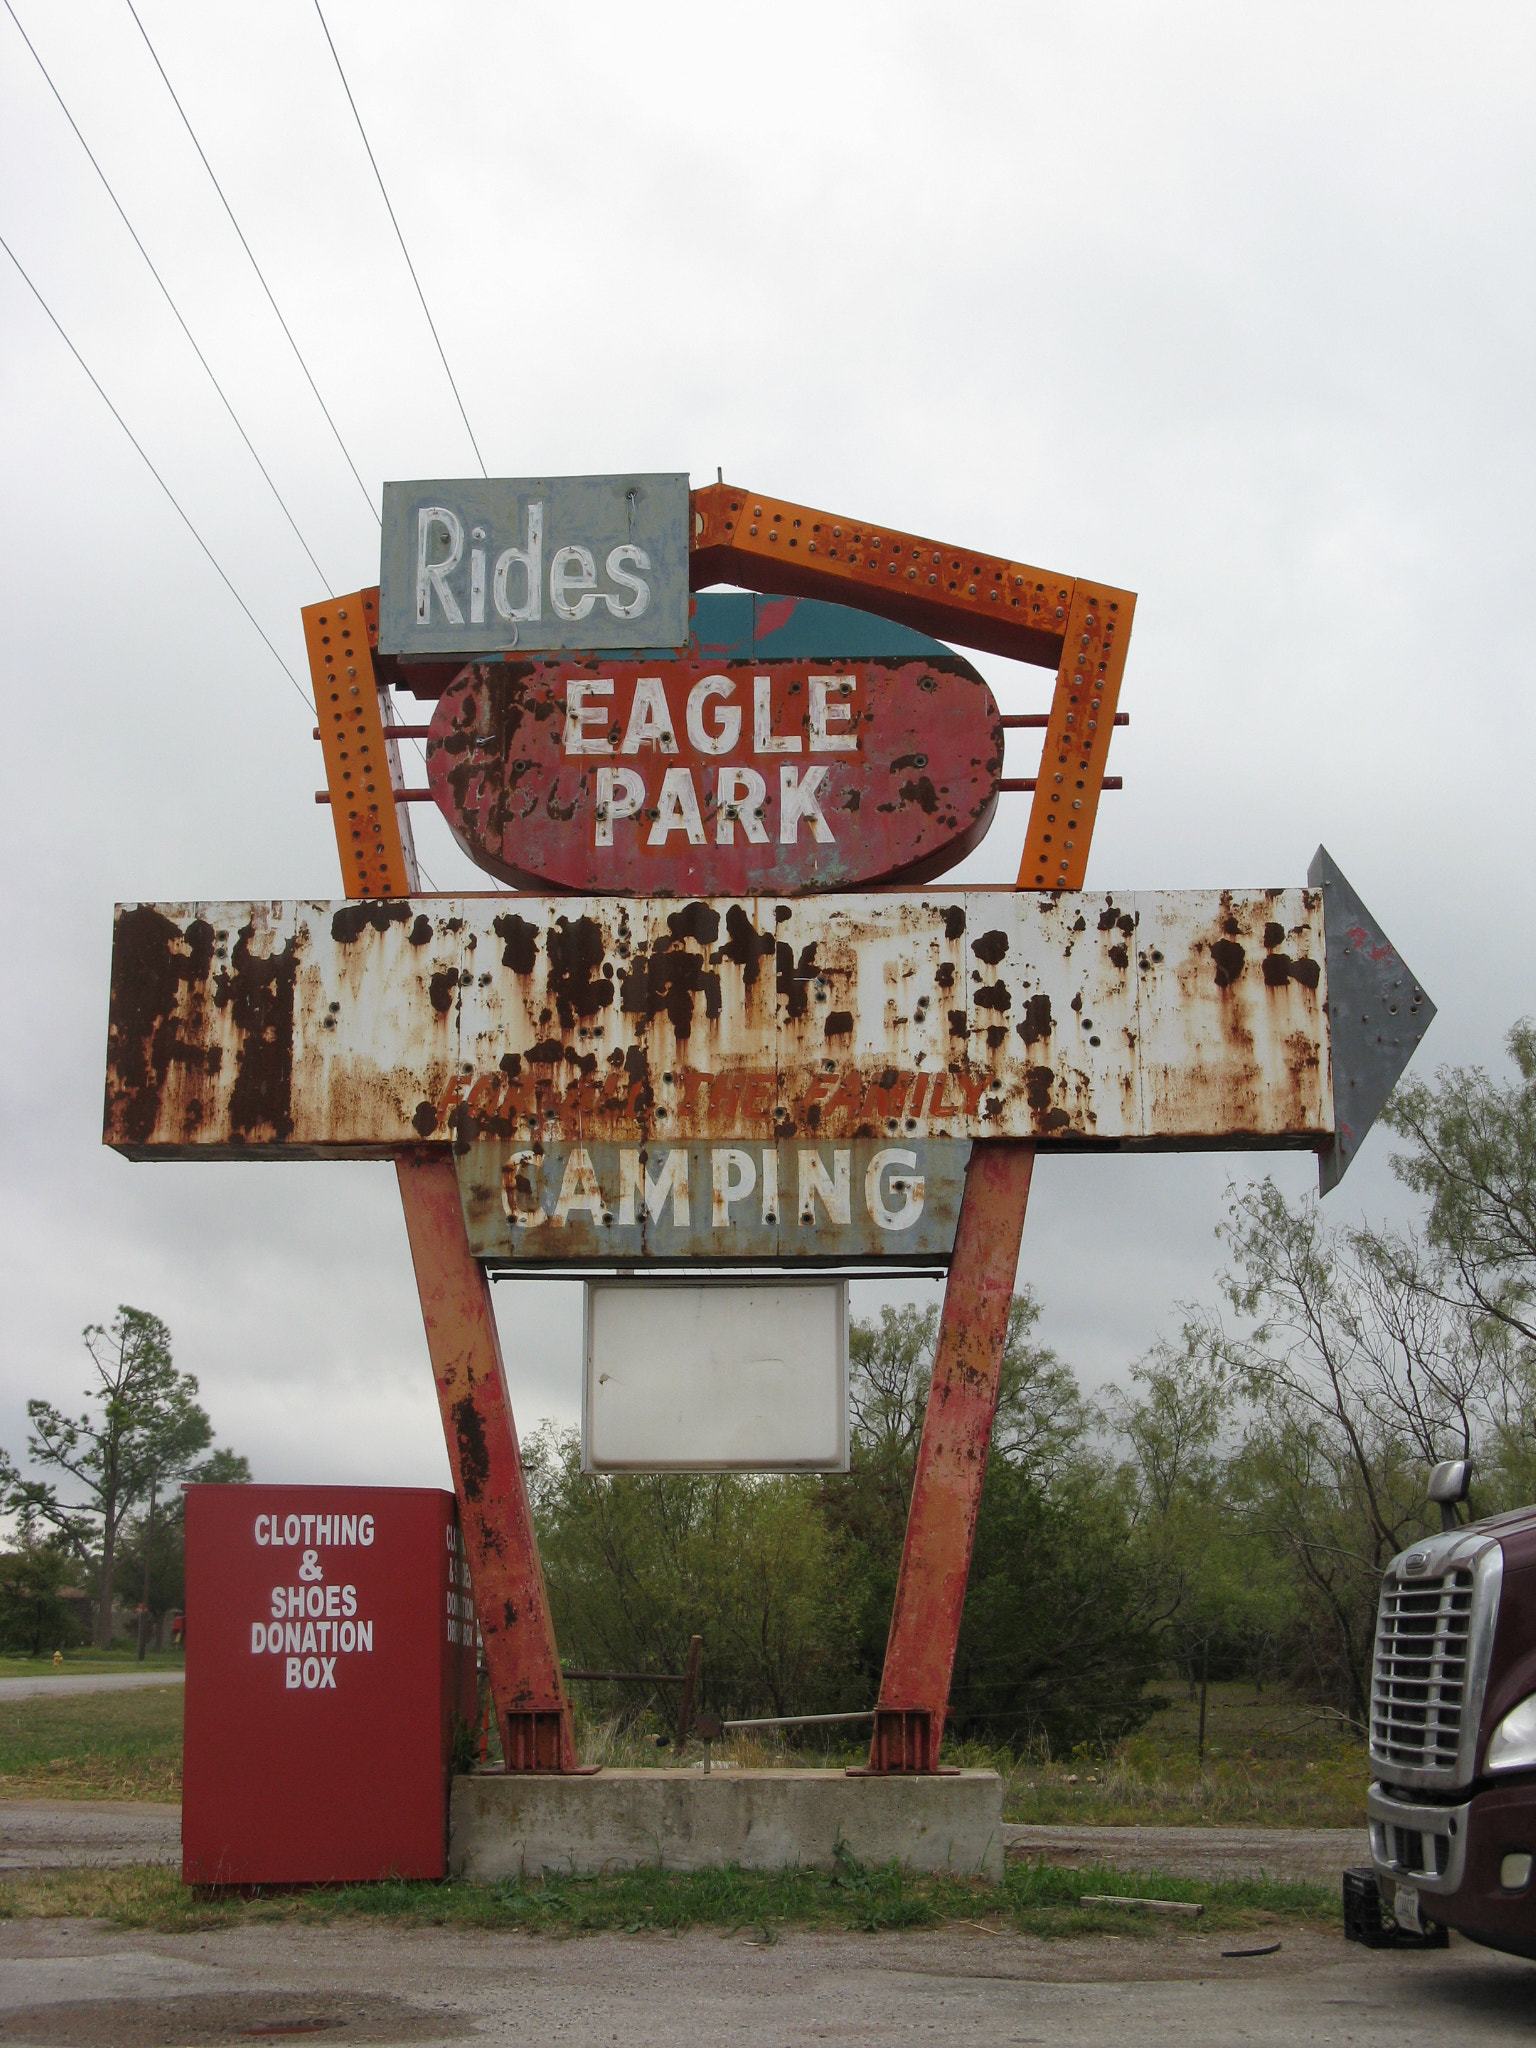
[1377,1014]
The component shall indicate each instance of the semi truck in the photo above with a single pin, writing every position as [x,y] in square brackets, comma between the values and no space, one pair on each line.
[1452,1805]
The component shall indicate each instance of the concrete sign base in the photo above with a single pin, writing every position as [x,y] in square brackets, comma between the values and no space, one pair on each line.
[515,1824]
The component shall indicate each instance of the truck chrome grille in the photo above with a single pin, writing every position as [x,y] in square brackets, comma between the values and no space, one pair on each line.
[1419,1688]
[1413,1852]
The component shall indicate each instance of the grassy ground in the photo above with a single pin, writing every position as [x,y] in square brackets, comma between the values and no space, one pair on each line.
[116,1745]
[1032,1899]
[77,1661]
[1271,1760]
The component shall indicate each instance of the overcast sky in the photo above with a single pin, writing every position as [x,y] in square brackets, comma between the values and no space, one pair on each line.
[1228,305]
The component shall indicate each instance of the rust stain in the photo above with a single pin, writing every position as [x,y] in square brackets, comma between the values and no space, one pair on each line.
[257,990]
[644,1017]
[154,963]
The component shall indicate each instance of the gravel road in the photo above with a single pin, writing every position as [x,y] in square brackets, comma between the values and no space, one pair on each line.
[85,1681]
[39,1834]
[1310,1855]
[82,1984]
[67,1834]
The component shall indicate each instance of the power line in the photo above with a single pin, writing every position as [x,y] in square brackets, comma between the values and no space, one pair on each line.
[304,698]
[410,266]
[159,280]
[245,245]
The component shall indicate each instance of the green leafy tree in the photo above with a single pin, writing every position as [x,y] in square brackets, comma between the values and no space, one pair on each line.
[32,1613]
[1471,1152]
[152,1546]
[143,1430]
[1057,1636]
[1359,1372]
[635,1564]
[1040,1418]
[1058,1639]
[1221,1593]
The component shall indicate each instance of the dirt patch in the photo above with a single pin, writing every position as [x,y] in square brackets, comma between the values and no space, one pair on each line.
[195,2018]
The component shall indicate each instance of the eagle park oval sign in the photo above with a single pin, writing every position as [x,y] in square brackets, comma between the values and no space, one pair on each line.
[705,776]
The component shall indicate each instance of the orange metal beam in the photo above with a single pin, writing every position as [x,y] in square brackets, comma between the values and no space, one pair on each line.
[771,545]
[532,1709]
[1004,607]
[951,1462]
[1082,718]
[361,769]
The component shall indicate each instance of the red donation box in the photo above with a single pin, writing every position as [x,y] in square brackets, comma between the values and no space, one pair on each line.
[330,1654]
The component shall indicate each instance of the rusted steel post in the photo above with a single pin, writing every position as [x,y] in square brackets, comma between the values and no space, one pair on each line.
[951,1462]
[690,1685]
[532,1710]
[378,858]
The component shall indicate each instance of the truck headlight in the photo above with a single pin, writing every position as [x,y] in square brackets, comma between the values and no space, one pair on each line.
[1512,1746]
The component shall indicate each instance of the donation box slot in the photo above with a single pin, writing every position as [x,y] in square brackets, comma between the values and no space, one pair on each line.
[330,1658]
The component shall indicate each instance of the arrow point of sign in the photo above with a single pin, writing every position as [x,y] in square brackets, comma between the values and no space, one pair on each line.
[1377,1014]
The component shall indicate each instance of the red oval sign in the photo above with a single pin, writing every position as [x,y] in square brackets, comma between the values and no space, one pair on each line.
[701,777]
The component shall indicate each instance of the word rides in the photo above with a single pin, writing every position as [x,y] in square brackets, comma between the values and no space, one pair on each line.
[539,562]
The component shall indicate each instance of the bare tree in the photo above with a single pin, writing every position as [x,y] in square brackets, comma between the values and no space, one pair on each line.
[1360,1371]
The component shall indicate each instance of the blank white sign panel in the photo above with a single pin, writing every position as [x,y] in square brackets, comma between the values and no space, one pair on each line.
[742,1376]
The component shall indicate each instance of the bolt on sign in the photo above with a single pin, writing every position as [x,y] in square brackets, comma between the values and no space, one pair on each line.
[474,566]
[719,773]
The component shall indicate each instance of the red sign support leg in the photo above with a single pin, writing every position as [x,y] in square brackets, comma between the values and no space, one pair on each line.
[532,1710]
[951,1462]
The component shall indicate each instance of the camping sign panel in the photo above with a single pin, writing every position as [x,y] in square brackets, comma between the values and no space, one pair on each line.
[530,1202]
[702,777]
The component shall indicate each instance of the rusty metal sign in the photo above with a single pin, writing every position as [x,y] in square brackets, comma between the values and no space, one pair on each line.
[597,1203]
[353,1029]
[474,565]
[700,777]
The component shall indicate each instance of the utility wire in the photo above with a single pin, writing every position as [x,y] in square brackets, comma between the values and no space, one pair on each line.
[245,245]
[410,266]
[304,699]
[159,280]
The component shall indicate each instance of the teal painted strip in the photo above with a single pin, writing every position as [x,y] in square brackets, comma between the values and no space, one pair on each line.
[736,625]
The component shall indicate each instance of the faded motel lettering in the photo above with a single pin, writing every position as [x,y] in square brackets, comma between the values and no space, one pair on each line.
[850,1101]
